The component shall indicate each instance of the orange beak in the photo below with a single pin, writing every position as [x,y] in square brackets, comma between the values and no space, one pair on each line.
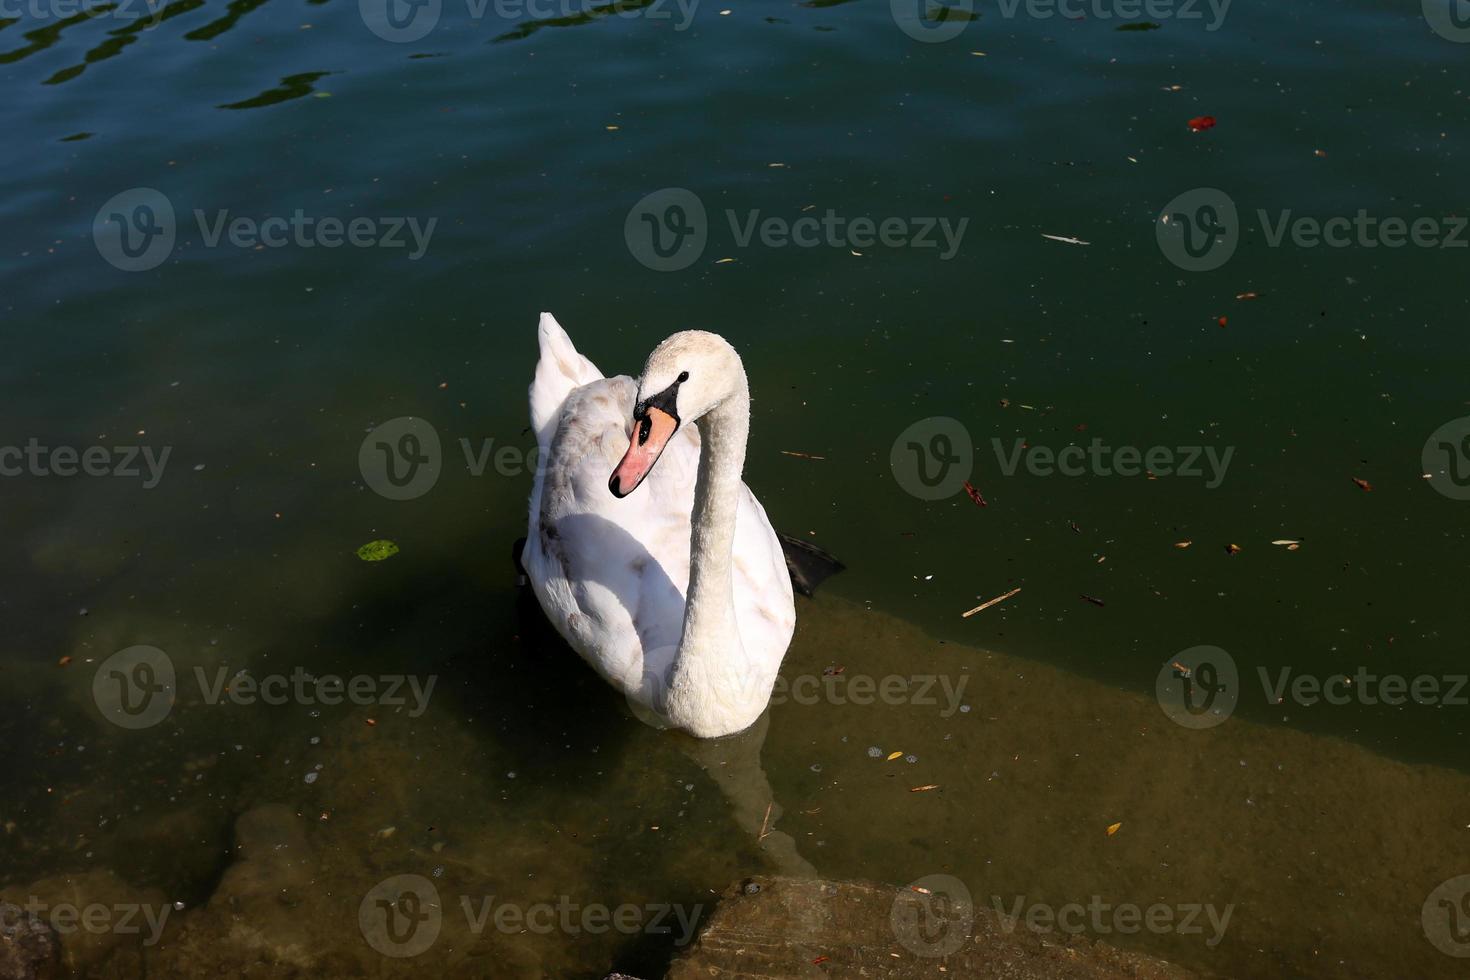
[651,433]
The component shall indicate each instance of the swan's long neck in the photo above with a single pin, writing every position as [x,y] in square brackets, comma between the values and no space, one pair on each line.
[711,676]
[709,611]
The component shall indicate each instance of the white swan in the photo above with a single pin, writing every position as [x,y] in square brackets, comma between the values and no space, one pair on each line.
[677,594]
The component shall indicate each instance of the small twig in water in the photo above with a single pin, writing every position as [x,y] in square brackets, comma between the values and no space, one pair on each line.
[986,605]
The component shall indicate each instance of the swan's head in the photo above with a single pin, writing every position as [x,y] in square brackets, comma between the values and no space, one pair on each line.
[686,376]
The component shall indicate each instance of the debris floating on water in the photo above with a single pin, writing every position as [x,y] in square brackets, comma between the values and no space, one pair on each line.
[986,605]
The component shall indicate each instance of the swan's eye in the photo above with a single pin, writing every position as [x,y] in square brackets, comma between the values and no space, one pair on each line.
[683,377]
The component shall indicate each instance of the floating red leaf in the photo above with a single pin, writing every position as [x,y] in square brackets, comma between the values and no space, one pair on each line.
[1201,123]
[975,494]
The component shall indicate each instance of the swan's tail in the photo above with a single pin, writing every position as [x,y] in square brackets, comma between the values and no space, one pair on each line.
[559,372]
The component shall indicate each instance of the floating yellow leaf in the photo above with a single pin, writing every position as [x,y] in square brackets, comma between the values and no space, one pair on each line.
[1286,541]
[1183,544]
[1113,828]
[892,756]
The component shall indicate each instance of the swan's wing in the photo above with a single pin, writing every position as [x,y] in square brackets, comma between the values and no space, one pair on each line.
[612,574]
[559,371]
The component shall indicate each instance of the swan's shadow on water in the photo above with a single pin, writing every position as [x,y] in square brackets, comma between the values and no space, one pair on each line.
[733,762]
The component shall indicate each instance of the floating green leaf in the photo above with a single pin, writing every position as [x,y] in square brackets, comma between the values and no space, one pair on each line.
[377,550]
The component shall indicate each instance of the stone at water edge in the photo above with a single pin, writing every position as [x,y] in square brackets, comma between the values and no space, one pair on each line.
[28,949]
[786,925]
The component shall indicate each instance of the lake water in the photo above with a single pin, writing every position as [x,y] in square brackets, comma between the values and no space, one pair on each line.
[1225,245]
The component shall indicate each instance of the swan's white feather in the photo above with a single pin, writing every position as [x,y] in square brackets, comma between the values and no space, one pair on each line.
[612,573]
[559,371]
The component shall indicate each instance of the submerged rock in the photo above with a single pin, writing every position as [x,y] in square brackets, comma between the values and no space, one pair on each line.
[786,925]
[28,949]
[99,923]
